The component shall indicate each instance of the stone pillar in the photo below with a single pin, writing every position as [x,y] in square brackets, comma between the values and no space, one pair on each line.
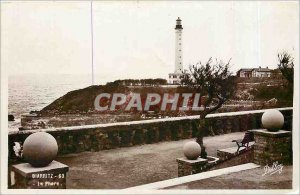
[52,176]
[270,147]
[189,167]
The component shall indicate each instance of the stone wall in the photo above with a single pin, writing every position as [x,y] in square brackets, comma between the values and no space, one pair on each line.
[246,156]
[123,134]
[189,167]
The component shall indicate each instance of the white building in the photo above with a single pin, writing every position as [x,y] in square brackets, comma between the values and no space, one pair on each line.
[174,78]
[254,72]
[261,72]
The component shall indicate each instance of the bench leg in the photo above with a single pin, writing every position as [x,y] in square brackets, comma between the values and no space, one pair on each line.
[238,149]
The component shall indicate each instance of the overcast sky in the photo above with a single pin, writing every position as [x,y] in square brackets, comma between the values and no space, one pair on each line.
[135,39]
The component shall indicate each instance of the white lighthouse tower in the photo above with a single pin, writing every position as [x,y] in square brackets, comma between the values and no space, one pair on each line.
[174,78]
[178,46]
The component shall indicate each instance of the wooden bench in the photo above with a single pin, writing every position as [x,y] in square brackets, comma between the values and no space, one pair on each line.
[248,137]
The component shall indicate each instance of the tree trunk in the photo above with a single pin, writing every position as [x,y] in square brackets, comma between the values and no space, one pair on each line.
[201,131]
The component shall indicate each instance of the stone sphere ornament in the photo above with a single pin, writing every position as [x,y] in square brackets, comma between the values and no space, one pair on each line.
[191,150]
[40,149]
[272,120]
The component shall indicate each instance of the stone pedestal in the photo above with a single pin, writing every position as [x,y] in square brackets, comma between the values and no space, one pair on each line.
[270,147]
[189,167]
[52,176]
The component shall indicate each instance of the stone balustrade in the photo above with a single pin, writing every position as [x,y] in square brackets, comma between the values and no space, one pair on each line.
[123,134]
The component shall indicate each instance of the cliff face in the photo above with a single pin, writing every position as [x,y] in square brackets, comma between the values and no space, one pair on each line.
[258,90]
[79,101]
[82,101]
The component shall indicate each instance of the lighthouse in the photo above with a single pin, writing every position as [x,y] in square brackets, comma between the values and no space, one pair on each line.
[174,78]
[178,46]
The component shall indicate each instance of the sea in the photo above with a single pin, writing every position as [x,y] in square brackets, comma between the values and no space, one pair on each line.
[32,92]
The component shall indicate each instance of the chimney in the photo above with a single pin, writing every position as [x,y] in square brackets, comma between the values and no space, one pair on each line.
[267,67]
[259,67]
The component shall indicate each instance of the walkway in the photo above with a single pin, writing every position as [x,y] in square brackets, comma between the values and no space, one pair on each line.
[132,166]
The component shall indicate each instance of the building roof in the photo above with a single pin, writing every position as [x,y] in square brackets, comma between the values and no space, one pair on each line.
[245,69]
[256,69]
[176,73]
[262,69]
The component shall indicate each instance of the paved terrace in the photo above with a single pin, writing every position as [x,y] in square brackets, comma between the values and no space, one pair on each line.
[247,179]
[244,176]
[138,165]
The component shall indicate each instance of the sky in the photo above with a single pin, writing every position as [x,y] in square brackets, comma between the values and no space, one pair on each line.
[136,39]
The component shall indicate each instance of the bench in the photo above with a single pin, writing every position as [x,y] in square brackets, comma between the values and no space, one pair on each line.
[248,137]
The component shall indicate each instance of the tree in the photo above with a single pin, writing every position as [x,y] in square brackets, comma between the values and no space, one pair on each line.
[214,82]
[286,66]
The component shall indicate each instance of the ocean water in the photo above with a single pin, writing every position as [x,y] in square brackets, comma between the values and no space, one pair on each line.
[33,92]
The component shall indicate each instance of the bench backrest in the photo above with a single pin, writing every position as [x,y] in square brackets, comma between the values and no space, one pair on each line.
[248,137]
